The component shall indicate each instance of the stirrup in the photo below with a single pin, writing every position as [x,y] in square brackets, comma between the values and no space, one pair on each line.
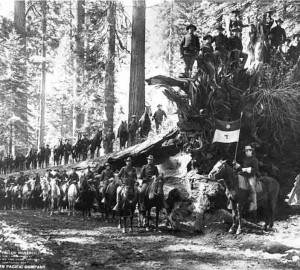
[116,208]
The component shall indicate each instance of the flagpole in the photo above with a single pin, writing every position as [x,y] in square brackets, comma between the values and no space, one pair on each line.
[237,143]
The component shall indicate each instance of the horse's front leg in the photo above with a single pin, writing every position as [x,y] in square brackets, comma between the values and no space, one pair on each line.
[233,212]
[157,217]
[51,207]
[131,222]
[120,221]
[240,212]
[148,219]
[124,228]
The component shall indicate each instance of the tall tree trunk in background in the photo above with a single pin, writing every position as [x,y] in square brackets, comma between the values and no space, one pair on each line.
[79,60]
[171,50]
[137,64]
[43,82]
[19,24]
[109,92]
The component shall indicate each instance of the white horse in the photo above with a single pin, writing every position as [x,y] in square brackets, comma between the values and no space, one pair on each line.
[45,192]
[72,196]
[54,196]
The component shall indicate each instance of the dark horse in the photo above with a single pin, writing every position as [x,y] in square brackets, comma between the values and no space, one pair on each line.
[86,198]
[96,143]
[145,123]
[237,191]
[128,204]
[110,199]
[123,134]
[154,197]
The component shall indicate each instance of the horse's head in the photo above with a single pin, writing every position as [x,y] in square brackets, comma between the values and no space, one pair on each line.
[217,169]
[158,184]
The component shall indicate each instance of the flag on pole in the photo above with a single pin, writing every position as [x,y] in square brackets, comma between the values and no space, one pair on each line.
[227,132]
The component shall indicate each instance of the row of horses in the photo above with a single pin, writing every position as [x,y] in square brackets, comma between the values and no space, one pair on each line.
[49,196]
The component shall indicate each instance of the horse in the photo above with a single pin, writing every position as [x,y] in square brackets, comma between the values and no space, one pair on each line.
[27,191]
[96,143]
[145,123]
[54,196]
[128,202]
[86,198]
[154,197]
[77,148]
[72,196]
[45,186]
[110,198]
[36,198]
[123,134]
[237,192]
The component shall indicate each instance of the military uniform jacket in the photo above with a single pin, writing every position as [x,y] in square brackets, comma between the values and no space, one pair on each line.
[133,126]
[159,115]
[235,24]
[148,171]
[107,174]
[128,175]
[110,136]
[85,142]
[67,148]
[221,42]
[48,152]
[251,162]
[235,43]
[10,181]
[189,44]
[279,35]
[90,175]
[21,180]
[74,177]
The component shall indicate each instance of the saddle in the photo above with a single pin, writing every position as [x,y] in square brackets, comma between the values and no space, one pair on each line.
[244,184]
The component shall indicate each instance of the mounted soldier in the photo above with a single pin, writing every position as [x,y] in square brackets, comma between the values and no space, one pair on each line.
[67,151]
[9,184]
[21,180]
[208,58]
[128,177]
[249,169]
[133,127]
[73,179]
[158,117]
[189,49]
[147,173]
[236,48]
[106,177]
[277,35]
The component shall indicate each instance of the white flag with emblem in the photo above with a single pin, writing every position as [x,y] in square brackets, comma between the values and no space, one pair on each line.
[227,132]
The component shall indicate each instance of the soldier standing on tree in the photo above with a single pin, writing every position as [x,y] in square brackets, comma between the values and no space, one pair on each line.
[158,117]
[189,49]
[47,155]
[109,139]
[85,145]
[133,126]
[67,151]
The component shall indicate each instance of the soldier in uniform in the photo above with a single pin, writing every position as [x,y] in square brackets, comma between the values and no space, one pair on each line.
[58,177]
[89,174]
[110,138]
[158,117]
[128,177]
[73,179]
[64,176]
[269,21]
[9,184]
[189,49]
[236,21]
[47,155]
[21,180]
[67,150]
[133,126]
[147,173]
[250,170]
[85,144]
[209,59]
[106,176]
[277,35]
[236,48]
[221,45]
[37,179]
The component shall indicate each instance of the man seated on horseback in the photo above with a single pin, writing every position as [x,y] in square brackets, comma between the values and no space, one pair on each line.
[236,48]
[105,177]
[133,126]
[73,179]
[9,184]
[249,170]
[128,177]
[21,181]
[37,179]
[148,172]
[208,58]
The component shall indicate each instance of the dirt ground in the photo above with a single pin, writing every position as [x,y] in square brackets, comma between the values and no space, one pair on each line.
[31,239]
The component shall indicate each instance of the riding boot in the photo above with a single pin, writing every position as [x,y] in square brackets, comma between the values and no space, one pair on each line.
[253,204]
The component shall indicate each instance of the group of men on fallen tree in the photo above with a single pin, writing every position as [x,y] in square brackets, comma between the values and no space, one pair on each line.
[229,50]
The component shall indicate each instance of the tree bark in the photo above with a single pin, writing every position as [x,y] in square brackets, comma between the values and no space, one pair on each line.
[43,82]
[137,64]
[109,92]
[78,121]
[19,24]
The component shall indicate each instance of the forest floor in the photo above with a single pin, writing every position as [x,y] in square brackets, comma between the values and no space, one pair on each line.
[31,239]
